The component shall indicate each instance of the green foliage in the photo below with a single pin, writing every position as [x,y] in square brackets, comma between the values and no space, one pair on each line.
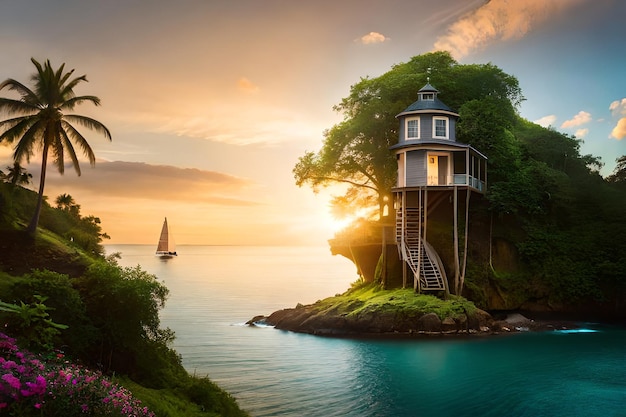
[542,194]
[195,396]
[355,152]
[123,305]
[111,312]
[32,323]
[83,232]
[485,124]
[618,176]
[65,306]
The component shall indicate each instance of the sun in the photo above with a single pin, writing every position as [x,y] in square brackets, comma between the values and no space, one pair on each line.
[335,225]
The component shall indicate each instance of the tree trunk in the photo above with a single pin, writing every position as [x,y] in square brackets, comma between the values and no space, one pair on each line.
[32,227]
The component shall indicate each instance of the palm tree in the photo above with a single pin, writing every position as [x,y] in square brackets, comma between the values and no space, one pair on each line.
[66,202]
[41,122]
[17,175]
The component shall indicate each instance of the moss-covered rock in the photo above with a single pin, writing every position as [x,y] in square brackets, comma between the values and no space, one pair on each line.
[371,310]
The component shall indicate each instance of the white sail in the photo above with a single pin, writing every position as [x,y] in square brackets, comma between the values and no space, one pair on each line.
[166,246]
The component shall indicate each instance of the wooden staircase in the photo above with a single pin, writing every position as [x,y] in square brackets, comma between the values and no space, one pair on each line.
[418,253]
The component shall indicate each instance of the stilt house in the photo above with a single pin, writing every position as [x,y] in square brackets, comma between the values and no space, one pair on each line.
[432,168]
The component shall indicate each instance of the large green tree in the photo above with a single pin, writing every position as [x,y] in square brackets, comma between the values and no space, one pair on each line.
[356,150]
[39,120]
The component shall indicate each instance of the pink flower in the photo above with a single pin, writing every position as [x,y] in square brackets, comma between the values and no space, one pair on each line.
[36,388]
[12,381]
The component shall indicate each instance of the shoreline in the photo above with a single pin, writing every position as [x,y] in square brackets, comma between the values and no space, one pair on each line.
[513,323]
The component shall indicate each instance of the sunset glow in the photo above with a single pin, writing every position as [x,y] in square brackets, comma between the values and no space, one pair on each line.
[210,108]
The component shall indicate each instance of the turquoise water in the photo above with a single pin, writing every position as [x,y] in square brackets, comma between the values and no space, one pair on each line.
[214,290]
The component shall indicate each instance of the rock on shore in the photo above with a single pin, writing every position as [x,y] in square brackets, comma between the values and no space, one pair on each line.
[331,322]
[310,319]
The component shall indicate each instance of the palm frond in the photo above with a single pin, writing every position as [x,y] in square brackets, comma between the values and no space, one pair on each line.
[90,123]
[28,96]
[80,140]
[11,106]
[15,128]
[67,144]
[30,138]
[69,87]
[55,142]
[72,102]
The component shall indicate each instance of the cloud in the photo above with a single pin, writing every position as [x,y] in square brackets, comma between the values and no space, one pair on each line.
[497,20]
[579,119]
[372,37]
[619,131]
[247,86]
[581,133]
[618,107]
[138,180]
[546,121]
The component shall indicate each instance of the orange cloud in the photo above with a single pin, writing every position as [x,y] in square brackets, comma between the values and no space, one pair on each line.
[618,108]
[579,119]
[373,37]
[619,131]
[497,20]
[247,86]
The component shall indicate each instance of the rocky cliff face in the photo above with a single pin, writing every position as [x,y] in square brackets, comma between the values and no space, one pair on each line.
[510,290]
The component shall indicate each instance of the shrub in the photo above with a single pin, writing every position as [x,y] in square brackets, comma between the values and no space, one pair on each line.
[64,306]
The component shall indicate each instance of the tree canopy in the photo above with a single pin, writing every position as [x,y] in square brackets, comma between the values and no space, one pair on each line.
[561,220]
[356,152]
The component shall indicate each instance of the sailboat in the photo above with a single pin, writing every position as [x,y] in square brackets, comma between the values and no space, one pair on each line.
[166,247]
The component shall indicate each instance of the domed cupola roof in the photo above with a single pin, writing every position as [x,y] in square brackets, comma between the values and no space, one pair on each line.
[427,102]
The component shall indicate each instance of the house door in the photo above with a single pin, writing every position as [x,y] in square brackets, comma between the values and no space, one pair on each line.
[437,169]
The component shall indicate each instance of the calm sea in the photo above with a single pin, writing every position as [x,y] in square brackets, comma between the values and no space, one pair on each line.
[215,289]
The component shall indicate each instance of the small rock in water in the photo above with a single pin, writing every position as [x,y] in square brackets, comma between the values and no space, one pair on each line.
[256,319]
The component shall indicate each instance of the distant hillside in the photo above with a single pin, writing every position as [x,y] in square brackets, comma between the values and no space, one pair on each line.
[66,241]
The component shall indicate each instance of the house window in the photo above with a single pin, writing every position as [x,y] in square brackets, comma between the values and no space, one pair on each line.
[428,96]
[413,128]
[440,127]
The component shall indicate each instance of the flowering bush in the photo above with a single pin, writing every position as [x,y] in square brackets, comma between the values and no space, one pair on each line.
[31,385]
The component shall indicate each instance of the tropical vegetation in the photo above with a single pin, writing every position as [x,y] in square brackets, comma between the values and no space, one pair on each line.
[39,120]
[548,234]
[92,326]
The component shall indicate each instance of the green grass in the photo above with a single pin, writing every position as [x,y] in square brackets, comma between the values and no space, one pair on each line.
[371,297]
[198,397]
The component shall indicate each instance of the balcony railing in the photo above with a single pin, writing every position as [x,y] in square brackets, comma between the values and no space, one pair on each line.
[456,179]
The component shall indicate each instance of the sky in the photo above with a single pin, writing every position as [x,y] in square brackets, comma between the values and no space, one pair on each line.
[211,103]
